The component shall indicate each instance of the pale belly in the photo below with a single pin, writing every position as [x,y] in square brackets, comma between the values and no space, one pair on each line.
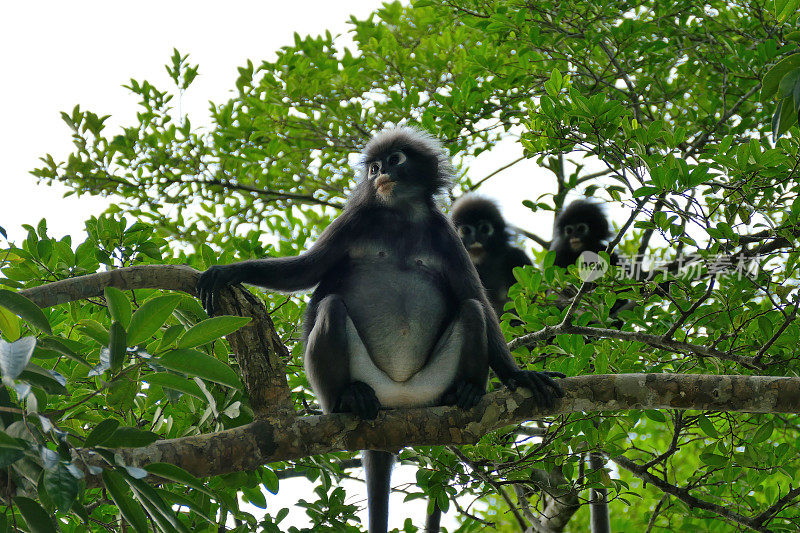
[399,315]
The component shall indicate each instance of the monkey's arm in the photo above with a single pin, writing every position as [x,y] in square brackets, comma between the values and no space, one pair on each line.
[463,278]
[517,258]
[280,273]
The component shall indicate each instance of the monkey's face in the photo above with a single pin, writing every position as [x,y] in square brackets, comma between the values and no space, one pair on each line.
[478,237]
[399,176]
[577,235]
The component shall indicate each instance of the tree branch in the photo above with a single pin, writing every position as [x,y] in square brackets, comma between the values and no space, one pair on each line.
[544,243]
[495,173]
[683,495]
[289,438]
[657,341]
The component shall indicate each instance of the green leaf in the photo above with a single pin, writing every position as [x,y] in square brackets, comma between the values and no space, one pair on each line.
[270,480]
[158,510]
[645,191]
[150,317]
[122,392]
[9,324]
[38,520]
[24,308]
[94,330]
[7,441]
[786,8]
[707,426]
[713,459]
[44,379]
[657,416]
[763,433]
[211,329]
[784,118]
[101,432]
[175,382]
[772,79]
[179,475]
[128,437]
[788,83]
[117,346]
[61,486]
[9,456]
[119,307]
[56,345]
[765,325]
[14,356]
[194,363]
[130,511]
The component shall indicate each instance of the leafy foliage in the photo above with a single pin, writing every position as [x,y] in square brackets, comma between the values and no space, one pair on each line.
[652,107]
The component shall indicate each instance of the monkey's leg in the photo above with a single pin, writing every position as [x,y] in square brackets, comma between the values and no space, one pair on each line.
[466,342]
[327,363]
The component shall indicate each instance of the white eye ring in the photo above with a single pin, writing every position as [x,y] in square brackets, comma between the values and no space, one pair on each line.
[374,168]
[486,228]
[397,158]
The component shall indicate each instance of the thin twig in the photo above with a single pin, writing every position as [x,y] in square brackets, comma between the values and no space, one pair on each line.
[486,478]
[496,172]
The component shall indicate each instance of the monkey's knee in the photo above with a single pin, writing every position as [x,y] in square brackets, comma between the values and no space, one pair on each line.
[330,318]
[472,315]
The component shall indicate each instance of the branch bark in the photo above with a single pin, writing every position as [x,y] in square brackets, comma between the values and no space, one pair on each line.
[288,438]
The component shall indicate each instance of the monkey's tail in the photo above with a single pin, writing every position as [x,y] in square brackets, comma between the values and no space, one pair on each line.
[378,470]
[433,520]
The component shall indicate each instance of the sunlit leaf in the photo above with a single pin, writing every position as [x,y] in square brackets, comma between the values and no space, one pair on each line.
[25,308]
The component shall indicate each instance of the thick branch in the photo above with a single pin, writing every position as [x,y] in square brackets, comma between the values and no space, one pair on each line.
[258,348]
[281,439]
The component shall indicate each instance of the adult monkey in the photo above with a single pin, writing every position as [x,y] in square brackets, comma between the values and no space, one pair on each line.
[398,317]
[483,232]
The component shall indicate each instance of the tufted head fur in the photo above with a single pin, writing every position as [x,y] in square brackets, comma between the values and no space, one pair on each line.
[415,140]
[587,212]
[470,208]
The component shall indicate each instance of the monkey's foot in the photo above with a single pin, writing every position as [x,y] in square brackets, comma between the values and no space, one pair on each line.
[463,394]
[544,388]
[359,398]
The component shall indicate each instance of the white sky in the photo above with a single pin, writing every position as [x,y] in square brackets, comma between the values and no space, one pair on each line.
[59,54]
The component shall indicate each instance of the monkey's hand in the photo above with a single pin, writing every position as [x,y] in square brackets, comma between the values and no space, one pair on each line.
[359,398]
[213,279]
[544,388]
[463,394]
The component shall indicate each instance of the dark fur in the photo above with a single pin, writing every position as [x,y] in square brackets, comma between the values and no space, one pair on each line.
[495,257]
[579,212]
[394,290]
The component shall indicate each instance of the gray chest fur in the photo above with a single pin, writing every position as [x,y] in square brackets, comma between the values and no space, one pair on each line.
[397,307]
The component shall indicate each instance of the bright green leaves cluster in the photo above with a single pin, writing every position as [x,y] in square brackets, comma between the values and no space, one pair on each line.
[87,373]
[783,80]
